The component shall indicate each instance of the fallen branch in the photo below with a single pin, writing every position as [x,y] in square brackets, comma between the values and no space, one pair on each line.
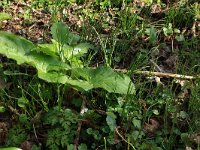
[161,74]
[76,141]
[125,139]
[167,75]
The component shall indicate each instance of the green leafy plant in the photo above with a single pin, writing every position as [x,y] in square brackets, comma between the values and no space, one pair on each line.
[109,3]
[176,17]
[2,109]
[16,136]
[151,32]
[97,107]
[53,60]
[4,16]
[170,31]
[64,122]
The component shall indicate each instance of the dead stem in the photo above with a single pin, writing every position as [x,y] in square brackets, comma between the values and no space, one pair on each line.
[161,74]
[76,140]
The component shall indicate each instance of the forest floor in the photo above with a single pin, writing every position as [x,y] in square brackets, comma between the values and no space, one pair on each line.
[155,44]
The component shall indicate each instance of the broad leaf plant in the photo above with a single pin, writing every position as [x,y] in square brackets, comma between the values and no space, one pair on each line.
[59,61]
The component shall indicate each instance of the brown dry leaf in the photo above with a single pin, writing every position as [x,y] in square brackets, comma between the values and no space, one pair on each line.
[26,145]
[156,8]
[2,84]
[171,62]
[183,94]
[181,82]
[3,131]
[20,24]
[143,104]
[158,81]
[166,59]
[151,126]
[71,12]
[140,3]
[195,138]
[37,118]
[188,148]
[184,91]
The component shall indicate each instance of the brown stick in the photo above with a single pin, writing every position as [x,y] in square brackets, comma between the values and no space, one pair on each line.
[167,75]
[161,74]
[76,141]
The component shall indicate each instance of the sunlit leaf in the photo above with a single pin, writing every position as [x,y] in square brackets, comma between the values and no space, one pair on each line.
[22,102]
[11,148]
[55,77]
[176,30]
[24,51]
[15,47]
[4,16]
[111,81]
[81,49]
[76,51]
[2,109]
[106,78]
[45,62]
[49,49]
[51,69]
[180,38]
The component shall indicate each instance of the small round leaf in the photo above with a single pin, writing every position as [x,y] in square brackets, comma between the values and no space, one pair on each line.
[22,102]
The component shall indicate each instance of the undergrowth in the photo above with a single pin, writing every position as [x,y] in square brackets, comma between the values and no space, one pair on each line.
[100,75]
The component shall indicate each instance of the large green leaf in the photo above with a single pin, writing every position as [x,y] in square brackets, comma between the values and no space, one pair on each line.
[49,49]
[111,81]
[81,49]
[60,32]
[24,51]
[11,148]
[111,120]
[15,47]
[106,78]
[51,69]
[76,51]
[55,77]
[45,62]
[73,53]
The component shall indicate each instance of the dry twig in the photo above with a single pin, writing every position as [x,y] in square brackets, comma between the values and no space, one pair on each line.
[167,75]
[161,74]
[76,141]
